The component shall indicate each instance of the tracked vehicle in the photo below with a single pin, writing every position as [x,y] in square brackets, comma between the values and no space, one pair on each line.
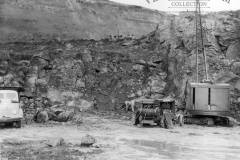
[207,103]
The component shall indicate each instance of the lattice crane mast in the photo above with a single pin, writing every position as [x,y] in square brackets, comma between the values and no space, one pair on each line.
[200,48]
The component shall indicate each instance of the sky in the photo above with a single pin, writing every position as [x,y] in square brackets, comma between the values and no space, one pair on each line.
[184,5]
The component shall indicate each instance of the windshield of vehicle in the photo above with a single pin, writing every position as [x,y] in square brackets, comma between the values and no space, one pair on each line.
[8,95]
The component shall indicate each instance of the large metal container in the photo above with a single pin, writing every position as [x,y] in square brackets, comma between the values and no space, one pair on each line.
[208,99]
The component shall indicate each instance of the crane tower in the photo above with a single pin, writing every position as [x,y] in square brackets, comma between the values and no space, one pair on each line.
[199,40]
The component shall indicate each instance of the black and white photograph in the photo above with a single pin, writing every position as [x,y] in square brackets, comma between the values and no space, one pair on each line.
[119,80]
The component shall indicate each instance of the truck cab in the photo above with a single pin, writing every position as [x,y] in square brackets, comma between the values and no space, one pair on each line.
[10,110]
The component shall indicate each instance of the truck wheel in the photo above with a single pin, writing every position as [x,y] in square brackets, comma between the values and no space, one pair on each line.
[18,124]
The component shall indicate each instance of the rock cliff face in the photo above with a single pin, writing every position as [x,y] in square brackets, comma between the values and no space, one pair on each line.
[176,44]
[24,20]
[160,62]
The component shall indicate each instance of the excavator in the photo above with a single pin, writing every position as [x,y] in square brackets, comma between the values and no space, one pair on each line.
[206,103]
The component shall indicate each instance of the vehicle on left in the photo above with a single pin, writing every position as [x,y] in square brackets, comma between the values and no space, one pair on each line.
[11,112]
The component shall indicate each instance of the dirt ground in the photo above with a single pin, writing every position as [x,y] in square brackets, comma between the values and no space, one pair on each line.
[118,139]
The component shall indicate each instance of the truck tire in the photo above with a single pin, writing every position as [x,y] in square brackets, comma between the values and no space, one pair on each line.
[19,124]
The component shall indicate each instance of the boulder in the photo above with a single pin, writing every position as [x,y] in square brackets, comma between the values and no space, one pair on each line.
[56,142]
[42,117]
[29,118]
[65,116]
[52,116]
[88,141]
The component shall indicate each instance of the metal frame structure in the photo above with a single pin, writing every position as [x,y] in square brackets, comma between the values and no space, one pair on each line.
[199,40]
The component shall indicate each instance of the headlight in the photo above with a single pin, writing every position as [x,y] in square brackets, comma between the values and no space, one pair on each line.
[14,112]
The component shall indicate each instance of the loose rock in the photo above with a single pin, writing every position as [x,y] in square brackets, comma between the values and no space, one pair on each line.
[88,141]
[42,117]
[56,142]
[65,116]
